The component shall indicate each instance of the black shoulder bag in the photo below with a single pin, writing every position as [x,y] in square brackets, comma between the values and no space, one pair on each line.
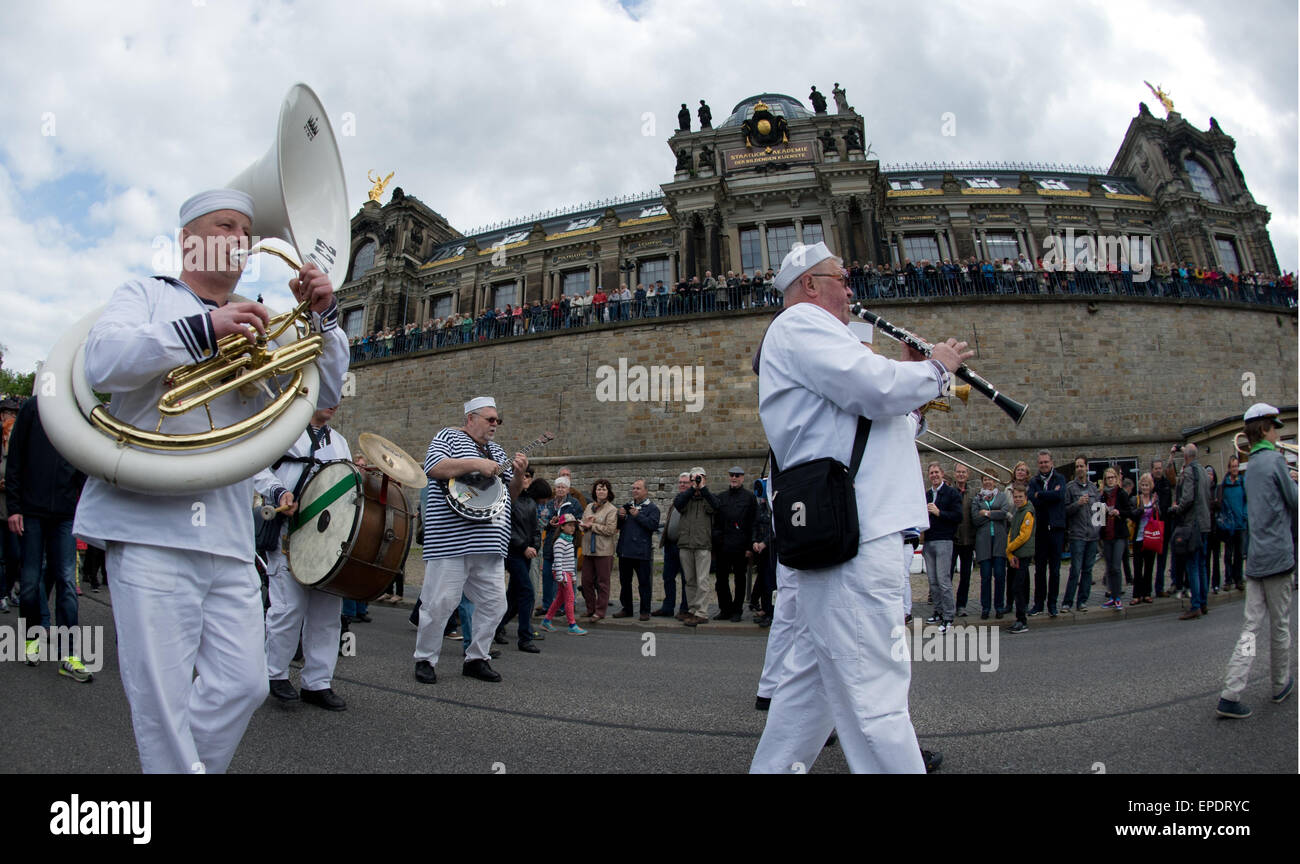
[815,510]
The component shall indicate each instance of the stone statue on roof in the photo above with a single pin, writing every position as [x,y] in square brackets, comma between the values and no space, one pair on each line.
[818,100]
[706,116]
[684,119]
[841,99]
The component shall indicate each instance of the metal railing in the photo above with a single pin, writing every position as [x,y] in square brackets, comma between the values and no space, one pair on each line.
[866,287]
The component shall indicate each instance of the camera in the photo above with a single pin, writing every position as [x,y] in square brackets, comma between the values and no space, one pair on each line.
[697,479]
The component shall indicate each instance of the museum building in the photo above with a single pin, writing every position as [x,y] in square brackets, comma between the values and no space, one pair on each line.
[774,173]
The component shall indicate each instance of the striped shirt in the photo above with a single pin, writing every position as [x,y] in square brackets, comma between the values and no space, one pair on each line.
[447,534]
[563,561]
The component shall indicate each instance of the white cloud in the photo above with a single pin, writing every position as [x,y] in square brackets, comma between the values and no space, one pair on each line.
[489,110]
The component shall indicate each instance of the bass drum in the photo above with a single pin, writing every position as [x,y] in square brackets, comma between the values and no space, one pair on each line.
[352,532]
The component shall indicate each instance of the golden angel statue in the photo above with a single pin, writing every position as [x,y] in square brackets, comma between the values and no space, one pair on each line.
[1162,96]
[378,189]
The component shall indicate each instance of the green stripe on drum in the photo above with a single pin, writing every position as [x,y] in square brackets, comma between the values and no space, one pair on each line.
[328,497]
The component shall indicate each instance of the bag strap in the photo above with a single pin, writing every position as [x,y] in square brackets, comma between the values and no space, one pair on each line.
[859,447]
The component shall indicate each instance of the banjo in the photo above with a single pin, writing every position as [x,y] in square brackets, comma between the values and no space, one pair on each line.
[481,498]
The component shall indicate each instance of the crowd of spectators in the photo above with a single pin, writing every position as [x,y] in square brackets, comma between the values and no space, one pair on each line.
[1129,527]
[736,291]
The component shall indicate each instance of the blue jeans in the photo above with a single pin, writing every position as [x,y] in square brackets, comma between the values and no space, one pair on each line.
[672,573]
[354,608]
[465,612]
[548,583]
[50,541]
[1197,577]
[1083,554]
[993,576]
[519,597]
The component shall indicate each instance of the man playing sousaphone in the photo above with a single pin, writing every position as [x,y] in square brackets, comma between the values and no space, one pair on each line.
[463,556]
[186,597]
[295,608]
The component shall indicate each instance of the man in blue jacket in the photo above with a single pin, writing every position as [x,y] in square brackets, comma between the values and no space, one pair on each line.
[1047,495]
[638,520]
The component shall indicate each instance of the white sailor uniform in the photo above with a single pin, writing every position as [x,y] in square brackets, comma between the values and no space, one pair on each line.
[296,609]
[815,380]
[186,596]
[780,636]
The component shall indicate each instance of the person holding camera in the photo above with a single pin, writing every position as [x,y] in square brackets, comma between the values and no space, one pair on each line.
[694,542]
[638,520]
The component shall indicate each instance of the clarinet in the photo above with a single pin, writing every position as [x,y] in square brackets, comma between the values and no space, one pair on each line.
[1015,410]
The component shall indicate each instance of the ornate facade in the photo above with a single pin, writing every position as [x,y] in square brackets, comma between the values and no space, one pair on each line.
[774,173]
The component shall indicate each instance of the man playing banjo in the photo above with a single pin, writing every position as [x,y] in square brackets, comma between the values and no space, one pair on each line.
[462,555]
[295,608]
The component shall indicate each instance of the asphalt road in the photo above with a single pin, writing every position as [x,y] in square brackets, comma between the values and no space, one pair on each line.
[1135,696]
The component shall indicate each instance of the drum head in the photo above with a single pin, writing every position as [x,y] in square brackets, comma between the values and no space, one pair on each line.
[324,528]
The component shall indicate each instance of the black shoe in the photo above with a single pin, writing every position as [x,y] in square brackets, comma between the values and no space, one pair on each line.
[762,703]
[500,639]
[539,636]
[327,699]
[364,618]
[529,648]
[424,672]
[932,760]
[984,616]
[480,669]
[722,616]
[737,618]
[662,613]
[281,689]
[1033,612]
[1234,710]
[1019,627]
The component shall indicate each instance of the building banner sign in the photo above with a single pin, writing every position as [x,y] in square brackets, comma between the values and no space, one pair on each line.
[740,159]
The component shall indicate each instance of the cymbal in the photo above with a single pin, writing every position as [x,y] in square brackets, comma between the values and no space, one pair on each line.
[392,460]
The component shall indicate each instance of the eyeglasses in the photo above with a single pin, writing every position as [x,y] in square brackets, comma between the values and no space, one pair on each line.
[495,421]
[842,278]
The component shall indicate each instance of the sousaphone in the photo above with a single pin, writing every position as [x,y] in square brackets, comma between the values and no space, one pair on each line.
[300,210]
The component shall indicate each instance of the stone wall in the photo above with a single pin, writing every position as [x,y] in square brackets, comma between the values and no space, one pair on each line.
[1110,377]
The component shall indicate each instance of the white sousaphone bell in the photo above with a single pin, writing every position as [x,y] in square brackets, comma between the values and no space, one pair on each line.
[300,210]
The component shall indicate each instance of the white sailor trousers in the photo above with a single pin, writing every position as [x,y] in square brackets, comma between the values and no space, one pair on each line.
[780,636]
[841,672]
[298,610]
[179,612]
[481,578]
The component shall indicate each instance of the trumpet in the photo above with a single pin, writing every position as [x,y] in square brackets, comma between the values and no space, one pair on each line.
[961,391]
[1242,445]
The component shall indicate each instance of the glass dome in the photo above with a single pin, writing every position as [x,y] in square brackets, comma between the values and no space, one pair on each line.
[778,103]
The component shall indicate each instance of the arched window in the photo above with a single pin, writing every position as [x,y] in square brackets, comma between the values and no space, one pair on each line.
[363,260]
[1201,180]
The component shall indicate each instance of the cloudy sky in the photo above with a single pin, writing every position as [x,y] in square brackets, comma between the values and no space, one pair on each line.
[493,109]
